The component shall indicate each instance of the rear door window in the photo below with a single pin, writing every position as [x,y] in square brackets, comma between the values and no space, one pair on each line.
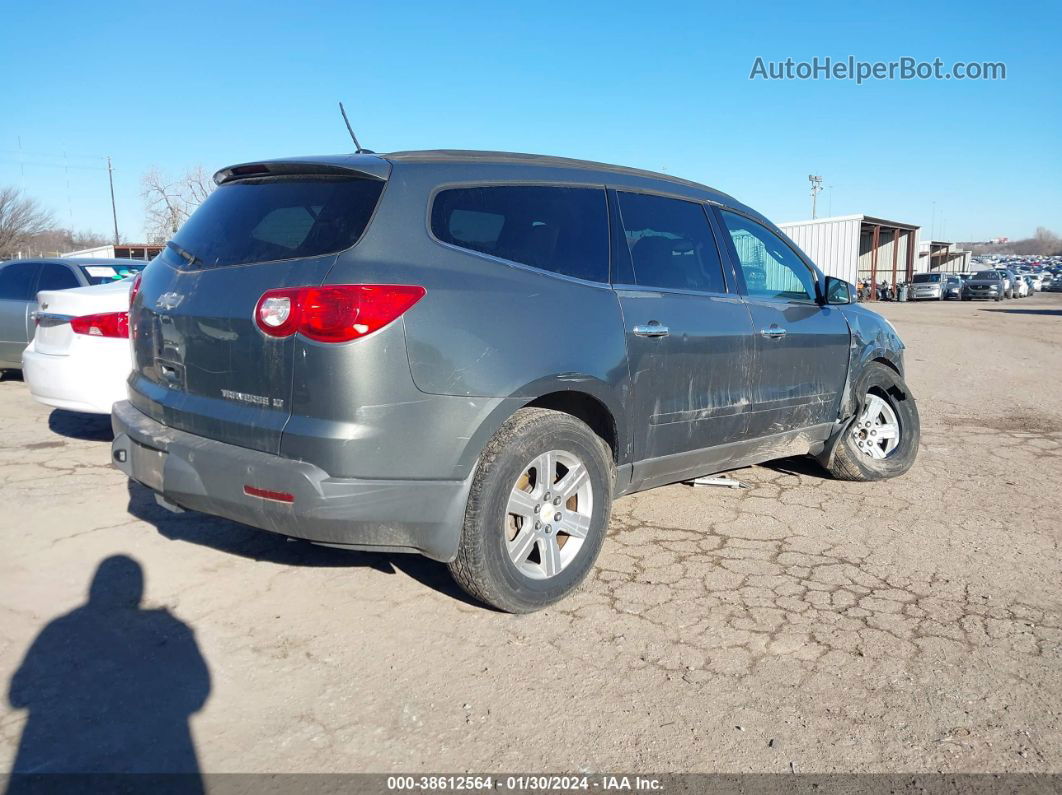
[671,243]
[57,277]
[275,218]
[17,281]
[559,229]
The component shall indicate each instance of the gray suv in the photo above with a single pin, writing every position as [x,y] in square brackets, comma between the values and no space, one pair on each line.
[471,354]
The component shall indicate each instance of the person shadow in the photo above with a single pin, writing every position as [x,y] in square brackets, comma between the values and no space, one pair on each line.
[110,687]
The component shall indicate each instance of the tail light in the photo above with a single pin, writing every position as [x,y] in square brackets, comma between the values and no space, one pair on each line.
[135,288]
[336,313]
[110,324]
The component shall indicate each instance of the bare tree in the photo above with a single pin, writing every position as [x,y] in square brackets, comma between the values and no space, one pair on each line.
[58,240]
[20,219]
[168,203]
[1045,243]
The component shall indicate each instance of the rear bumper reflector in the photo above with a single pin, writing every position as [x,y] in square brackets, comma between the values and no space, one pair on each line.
[266,494]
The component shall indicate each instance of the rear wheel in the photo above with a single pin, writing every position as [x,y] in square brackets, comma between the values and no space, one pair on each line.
[882,440]
[537,512]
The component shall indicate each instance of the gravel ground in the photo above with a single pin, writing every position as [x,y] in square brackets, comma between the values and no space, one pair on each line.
[802,623]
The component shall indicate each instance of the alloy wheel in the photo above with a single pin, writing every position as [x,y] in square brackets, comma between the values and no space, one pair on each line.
[548,514]
[876,432]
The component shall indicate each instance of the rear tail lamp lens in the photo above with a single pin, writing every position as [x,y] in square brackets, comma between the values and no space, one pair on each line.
[110,324]
[135,288]
[337,313]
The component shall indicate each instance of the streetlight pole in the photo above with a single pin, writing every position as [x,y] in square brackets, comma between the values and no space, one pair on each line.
[816,186]
[114,210]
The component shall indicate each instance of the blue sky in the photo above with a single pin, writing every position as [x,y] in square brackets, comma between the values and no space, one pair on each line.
[661,86]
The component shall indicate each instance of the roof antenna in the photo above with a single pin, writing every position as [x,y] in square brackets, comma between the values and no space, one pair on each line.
[357,147]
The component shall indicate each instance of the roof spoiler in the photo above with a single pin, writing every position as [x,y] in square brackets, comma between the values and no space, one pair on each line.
[364,166]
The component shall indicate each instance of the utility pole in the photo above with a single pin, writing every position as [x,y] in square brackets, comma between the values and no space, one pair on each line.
[114,210]
[816,186]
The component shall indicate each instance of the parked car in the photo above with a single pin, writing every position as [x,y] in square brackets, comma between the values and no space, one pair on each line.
[1036,282]
[20,281]
[1055,285]
[1020,288]
[1009,278]
[984,284]
[79,357]
[927,286]
[952,287]
[472,362]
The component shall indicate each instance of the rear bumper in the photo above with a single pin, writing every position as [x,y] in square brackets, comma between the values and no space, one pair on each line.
[78,383]
[204,475]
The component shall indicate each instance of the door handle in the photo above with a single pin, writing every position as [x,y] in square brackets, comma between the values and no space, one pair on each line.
[652,329]
[773,332]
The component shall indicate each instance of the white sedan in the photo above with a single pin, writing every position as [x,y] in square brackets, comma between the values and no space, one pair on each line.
[80,357]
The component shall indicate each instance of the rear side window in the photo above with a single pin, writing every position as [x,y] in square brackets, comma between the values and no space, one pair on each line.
[17,280]
[563,230]
[259,220]
[671,243]
[57,277]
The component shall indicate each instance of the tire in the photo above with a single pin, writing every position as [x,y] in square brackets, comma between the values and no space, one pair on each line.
[999,298]
[485,566]
[850,462]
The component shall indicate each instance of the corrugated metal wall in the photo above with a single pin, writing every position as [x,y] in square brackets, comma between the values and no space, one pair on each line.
[832,245]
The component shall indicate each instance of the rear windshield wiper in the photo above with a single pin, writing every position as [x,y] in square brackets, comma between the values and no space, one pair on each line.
[189,256]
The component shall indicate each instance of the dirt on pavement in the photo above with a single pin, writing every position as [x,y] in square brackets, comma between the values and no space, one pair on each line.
[802,623]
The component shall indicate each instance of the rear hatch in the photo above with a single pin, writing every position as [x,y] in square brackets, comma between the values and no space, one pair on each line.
[201,363]
[56,308]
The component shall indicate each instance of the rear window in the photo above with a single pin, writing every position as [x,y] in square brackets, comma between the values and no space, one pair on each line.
[275,218]
[101,274]
[558,229]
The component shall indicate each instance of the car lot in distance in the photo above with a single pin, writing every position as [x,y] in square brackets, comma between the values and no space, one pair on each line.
[913,624]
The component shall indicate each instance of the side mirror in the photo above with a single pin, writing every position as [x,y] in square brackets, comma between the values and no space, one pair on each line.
[838,291]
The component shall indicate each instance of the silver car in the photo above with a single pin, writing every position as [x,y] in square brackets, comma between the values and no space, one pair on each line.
[21,280]
[928,286]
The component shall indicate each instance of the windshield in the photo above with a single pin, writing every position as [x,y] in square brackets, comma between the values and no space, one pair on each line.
[260,220]
[990,275]
[926,277]
[101,274]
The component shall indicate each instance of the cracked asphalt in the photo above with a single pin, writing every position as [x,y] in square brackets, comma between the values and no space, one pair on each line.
[798,624]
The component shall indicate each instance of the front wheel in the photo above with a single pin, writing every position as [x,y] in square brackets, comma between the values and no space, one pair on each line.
[537,512]
[882,439]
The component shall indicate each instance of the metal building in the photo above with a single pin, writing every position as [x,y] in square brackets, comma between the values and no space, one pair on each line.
[860,247]
[936,256]
[123,251]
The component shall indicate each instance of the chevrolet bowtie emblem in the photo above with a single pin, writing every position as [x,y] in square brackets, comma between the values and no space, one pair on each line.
[168,301]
